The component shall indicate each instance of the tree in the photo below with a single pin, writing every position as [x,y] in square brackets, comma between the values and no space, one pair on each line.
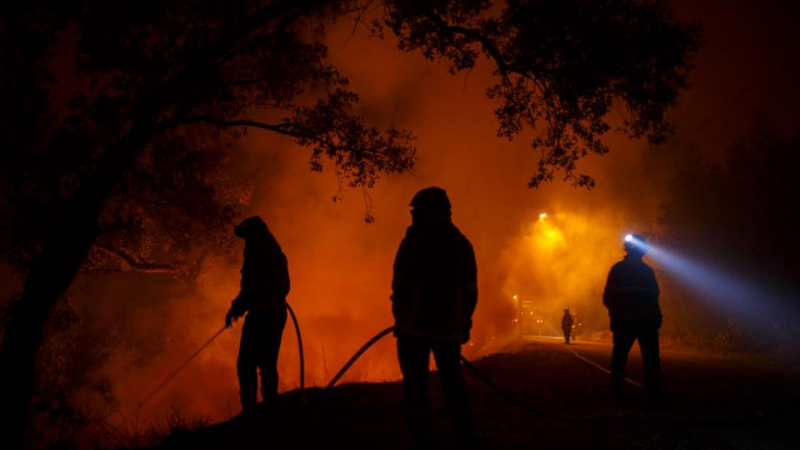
[167,87]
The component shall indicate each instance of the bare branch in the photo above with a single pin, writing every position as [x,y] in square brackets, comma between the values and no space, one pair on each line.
[285,128]
[358,20]
[138,264]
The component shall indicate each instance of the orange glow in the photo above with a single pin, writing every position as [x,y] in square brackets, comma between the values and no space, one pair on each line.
[341,268]
[562,263]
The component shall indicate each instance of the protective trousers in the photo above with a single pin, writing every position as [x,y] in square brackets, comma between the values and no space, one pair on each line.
[414,356]
[625,333]
[258,350]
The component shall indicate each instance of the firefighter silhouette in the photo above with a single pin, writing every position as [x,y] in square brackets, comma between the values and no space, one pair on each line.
[264,286]
[631,296]
[566,325]
[434,293]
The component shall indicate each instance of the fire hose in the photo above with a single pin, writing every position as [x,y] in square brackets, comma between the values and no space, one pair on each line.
[215,336]
[516,402]
[464,361]
[357,355]
[177,371]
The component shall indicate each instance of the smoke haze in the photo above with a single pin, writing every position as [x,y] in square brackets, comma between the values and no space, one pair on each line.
[341,267]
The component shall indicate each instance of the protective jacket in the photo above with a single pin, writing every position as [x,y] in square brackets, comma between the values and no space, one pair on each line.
[566,322]
[631,293]
[265,279]
[434,290]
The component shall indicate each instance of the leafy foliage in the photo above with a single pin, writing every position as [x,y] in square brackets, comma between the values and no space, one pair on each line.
[131,170]
[562,66]
[180,186]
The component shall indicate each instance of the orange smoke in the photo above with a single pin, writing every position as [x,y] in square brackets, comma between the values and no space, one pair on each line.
[341,268]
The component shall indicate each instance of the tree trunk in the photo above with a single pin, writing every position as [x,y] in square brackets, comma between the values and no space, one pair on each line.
[54,271]
[71,236]
[73,233]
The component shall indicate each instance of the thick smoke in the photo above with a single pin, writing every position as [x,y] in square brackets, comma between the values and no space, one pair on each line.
[341,267]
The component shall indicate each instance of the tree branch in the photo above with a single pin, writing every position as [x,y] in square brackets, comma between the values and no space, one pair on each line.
[137,263]
[285,128]
[291,10]
[238,83]
[488,45]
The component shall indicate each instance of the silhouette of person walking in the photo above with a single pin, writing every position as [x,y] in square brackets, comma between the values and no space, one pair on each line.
[631,296]
[264,286]
[434,293]
[566,325]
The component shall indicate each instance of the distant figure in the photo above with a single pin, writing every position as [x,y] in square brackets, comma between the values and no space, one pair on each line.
[265,284]
[566,325]
[434,293]
[631,296]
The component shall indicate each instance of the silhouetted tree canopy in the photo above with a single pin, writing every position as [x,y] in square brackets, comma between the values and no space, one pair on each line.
[121,160]
[561,66]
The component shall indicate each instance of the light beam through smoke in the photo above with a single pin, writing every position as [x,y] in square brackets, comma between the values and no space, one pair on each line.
[745,300]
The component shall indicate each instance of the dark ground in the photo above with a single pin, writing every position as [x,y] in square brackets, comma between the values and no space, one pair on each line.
[714,403]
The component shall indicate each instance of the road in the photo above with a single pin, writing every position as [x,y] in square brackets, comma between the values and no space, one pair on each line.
[551,400]
[714,401]
[758,385]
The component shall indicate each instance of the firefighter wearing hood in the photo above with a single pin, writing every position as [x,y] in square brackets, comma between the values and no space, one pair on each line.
[434,293]
[264,286]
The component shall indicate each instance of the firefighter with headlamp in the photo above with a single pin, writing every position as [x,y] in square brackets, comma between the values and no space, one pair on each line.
[631,296]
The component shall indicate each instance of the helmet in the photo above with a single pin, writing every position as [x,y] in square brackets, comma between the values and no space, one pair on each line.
[635,244]
[431,199]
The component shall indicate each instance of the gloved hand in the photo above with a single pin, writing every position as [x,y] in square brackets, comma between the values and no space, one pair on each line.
[230,317]
[236,310]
